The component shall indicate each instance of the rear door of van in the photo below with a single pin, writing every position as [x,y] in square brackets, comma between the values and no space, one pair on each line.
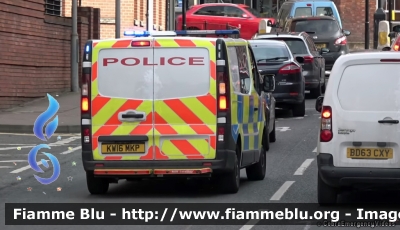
[122,99]
[365,116]
[185,120]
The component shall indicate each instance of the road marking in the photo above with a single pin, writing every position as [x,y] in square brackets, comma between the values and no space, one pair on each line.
[278,194]
[303,167]
[39,162]
[58,143]
[249,225]
[13,161]
[6,167]
[282,129]
[28,134]
[315,150]
[16,144]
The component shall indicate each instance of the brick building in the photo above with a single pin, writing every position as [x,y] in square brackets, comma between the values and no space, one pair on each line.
[35,48]
[133,13]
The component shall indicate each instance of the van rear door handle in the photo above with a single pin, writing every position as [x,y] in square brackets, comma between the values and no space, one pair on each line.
[137,116]
[388,121]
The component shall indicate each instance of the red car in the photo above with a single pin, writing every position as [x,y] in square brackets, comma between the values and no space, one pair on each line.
[222,16]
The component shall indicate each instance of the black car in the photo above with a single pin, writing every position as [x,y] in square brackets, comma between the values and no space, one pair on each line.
[326,33]
[302,45]
[274,58]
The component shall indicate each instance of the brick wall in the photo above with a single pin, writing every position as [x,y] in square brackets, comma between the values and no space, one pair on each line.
[352,13]
[131,10]
[35,51]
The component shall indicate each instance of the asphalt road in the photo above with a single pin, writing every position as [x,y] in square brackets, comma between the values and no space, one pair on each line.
[291,178]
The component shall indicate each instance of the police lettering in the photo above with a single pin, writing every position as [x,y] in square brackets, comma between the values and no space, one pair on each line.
[162,61]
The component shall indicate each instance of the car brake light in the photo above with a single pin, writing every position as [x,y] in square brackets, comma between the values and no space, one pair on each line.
[290,69]
[85,104]
[326,134]
[396,45]
[140,43]
[341,41]
[308,59]
[308,4]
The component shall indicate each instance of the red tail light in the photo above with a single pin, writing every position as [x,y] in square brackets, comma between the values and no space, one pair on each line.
[290,69]
[308,59]
[86,135]
[341,41]
[140,43]
[326,134]
[221,133]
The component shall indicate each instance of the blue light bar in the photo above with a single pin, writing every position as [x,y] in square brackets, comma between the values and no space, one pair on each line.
[206,32]
[134,33]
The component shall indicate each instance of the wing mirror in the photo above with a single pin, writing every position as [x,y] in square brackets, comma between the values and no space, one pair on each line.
[268,83]
[318,103]
[324,51]
[245,16]
[346,33]
[300,60]
[387,48]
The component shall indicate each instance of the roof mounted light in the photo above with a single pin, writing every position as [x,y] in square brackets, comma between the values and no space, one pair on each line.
[133,33]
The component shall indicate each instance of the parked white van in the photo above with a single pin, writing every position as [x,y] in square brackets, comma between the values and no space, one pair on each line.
[359,136]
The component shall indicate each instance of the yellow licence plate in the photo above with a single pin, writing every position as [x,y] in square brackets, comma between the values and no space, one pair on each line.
[370,153]
[123,148]
[320,46]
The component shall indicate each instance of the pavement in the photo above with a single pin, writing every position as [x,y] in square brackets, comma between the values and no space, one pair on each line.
[291,178]
[20,119]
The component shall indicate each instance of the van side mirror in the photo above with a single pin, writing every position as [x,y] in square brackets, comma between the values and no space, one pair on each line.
[396,28]
[387,48]
[268,83]
[346,33]
[318,103]
[300,60]
[392,34]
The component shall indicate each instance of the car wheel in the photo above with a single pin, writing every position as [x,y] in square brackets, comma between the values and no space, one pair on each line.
[317,91]
[299,110]
[272,135]
[230,182]
[326,194]
[257,171]
[96,185]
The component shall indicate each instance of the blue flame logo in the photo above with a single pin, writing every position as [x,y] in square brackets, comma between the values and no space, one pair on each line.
[49,130]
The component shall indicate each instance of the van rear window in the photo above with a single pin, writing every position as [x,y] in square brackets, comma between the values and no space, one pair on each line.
[325,11]
[303,11]
[365,88]
[161,73]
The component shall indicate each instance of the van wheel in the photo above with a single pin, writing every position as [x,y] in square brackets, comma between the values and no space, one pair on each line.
[317,91]
[96,185]
[257,171]
[272,135]
[300,109]
[326,194]
[230,182]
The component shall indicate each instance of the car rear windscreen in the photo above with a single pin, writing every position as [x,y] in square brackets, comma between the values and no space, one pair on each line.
[365,88]
[325,11]
[296,45]
[321,27]
[161,73]
[267,51]
[303,11]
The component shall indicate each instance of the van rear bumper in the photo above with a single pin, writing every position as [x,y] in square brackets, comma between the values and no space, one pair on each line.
[224,162]
[347,176]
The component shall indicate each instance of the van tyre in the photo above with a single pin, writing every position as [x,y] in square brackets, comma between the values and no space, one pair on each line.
[300,109]
[96,185]
[317,91]
[257,171]
[265,140]
[230,182]
[272,135]
[326,194]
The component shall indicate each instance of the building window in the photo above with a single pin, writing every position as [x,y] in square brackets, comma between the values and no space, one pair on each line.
[385,5]
[52,7]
